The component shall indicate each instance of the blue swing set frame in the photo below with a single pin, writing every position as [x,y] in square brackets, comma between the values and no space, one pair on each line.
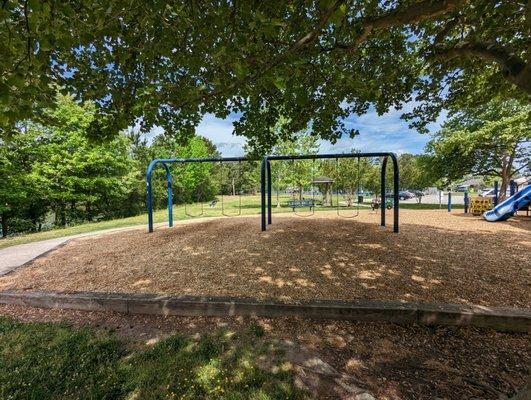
[266,184]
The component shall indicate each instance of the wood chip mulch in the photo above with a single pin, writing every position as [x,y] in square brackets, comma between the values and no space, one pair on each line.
[437,257]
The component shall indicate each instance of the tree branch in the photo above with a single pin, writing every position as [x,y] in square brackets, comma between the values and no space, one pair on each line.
[26,19]
[446,29]
[514,68]
[310,36]
[415,13]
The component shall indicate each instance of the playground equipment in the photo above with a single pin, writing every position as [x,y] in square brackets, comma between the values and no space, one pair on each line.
[510,206]
[166,162]
[304,203]
[478,205]
[266,181]
[223,212]
[189,214]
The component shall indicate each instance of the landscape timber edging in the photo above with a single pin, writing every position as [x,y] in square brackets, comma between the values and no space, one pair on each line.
[502,319]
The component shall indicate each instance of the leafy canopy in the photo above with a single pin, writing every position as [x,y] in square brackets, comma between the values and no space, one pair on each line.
[494,140]
[311,61]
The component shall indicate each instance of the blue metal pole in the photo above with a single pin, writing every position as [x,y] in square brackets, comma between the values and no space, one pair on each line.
[512,187]
[396,178]
[263,192]
[449,200]
[466,202]
[382,191]
[495,193]
[149,201]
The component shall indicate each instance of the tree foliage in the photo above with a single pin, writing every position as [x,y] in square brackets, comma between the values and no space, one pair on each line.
[296,174]
[413,173]
[310,61]
[51,174]
[493,140]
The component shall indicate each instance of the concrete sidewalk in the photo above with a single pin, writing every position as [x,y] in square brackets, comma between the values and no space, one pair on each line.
[15,256]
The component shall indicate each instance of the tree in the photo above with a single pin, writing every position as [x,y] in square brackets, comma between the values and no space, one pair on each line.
[297,173]
[13,188]
[192,182]
[493,140]
[313,62]
[69,170]
[349,174]
[414,175]
[238,178]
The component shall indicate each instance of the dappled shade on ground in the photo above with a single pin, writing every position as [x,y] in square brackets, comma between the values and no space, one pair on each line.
[437,257]
[46,361]
[390,361]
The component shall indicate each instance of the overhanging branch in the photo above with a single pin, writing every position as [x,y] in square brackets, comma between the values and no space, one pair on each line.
[514,68]
[415,13]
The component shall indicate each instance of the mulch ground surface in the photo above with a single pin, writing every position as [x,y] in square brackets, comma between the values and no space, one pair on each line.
[437,257]
[388,360]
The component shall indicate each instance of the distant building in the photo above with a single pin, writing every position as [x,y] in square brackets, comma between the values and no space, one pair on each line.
[470,185]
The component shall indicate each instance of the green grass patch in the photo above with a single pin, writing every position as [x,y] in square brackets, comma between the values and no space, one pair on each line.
[54,361]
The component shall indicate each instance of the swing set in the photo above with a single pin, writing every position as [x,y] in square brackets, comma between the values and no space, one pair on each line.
[213,203]
[166,163]
[266,183]
[266,186]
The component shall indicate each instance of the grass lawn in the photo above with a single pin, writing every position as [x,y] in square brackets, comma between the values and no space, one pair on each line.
[249,205]
[55,361]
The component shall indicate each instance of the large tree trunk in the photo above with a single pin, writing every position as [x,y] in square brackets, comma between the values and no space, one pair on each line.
[4,224]
[505,175]
[327,196]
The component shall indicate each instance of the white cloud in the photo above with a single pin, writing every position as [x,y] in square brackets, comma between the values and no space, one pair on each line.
[385,132]
[219,130]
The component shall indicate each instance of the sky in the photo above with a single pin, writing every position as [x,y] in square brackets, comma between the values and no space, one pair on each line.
[386,132]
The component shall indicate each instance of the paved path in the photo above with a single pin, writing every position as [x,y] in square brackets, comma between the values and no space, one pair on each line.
[15,256]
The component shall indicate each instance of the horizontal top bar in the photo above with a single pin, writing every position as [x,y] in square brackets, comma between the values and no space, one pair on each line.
[320,156]
[201,160]
[271,157]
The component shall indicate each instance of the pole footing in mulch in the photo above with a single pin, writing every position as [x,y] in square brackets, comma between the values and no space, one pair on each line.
[502,319]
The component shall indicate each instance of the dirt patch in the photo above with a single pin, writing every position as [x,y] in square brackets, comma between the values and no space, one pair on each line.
[388,360]
[437,257]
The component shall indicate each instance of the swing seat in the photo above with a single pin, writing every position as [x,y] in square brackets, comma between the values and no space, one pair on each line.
[213,203]
[301,203]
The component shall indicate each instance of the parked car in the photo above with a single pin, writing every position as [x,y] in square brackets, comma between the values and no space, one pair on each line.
[405,195]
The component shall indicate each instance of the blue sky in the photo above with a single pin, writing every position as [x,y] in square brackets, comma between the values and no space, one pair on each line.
[377,133]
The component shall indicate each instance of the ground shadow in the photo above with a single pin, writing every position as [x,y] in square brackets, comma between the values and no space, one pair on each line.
[298,259]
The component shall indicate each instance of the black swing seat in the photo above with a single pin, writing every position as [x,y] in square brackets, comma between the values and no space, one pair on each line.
[213,203]
[301,203]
